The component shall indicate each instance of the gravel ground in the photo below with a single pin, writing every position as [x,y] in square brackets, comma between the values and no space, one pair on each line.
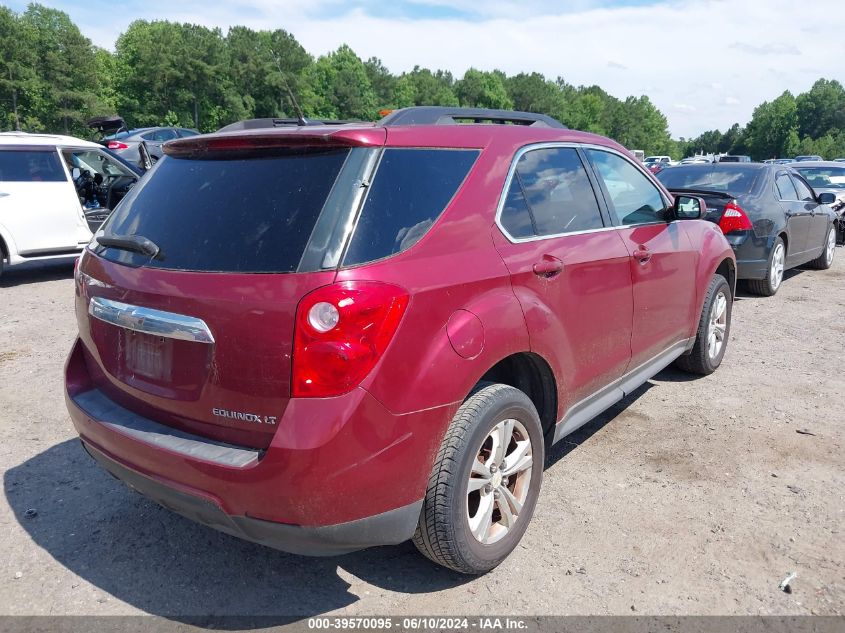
[692,496]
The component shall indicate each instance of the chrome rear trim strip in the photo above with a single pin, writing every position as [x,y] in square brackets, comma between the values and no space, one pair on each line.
[149,321]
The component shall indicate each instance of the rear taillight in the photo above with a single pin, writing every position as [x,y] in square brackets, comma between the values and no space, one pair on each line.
[341,332]
[734,219]
[117,145]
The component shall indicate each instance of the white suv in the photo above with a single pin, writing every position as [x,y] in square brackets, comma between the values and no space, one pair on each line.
[54,191]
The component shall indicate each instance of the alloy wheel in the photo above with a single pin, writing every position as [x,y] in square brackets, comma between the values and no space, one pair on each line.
[717,328]
[831,247]
[776,274]
[499,481]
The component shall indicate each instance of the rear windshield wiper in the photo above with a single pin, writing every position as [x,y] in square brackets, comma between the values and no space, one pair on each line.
[135,243]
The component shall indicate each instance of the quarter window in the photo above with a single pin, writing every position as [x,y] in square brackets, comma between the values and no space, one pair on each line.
[410,189]
[633,197]
[803,190]
[550,194]
[786,190]
[30,166]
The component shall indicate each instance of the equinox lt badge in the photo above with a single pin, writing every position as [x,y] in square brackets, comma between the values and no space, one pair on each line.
[246,417]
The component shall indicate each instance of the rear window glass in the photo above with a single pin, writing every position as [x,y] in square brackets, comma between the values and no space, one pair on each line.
[229,214]
[713,178]
[410,190]
[824,177]
[30,166]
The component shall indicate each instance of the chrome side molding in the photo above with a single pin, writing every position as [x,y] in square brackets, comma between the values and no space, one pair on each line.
[149,321]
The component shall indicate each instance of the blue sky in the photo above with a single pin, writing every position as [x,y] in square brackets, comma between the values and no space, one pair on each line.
[705,63]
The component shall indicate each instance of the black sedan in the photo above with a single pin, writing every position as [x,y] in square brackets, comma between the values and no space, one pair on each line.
[769,213]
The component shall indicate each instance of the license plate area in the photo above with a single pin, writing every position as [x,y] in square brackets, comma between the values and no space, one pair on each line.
[149,356]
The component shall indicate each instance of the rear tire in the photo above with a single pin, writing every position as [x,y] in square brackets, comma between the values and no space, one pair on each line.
[825,260]
[485,481]
[714,328]
[774,272]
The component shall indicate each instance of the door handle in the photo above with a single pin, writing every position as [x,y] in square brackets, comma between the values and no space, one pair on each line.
[642,254]
[548,267]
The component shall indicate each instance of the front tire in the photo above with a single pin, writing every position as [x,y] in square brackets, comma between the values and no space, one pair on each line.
[485,481]
[774,273]
[825,260]
[714,328]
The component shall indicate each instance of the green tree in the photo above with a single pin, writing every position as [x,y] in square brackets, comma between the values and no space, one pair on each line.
[267,70]
[67,90]
[478,89]
[821,110]
[340,88]
[423,87]
[773,129]
[534,93]
[382,81]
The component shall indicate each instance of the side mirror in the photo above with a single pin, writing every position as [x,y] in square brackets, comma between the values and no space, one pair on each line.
[826,198]
[688,208]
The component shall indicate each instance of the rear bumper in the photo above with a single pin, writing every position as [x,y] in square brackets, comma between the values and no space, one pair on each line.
[339,474]
[752,268]
[752,254]
[393,526]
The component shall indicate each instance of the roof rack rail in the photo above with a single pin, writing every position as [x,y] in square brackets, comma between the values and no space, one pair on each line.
[254,124]
[444,115]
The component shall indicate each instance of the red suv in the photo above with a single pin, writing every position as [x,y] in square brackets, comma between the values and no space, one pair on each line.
[324,338]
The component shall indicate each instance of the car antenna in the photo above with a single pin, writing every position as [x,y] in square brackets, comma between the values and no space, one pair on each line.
[300,118]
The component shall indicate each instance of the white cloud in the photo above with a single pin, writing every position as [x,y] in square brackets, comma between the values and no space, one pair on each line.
[720,57]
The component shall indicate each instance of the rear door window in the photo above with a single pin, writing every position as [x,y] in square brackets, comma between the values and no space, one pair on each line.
[550,194]
[410,189]
[227,214]
[31,166]
[786,190]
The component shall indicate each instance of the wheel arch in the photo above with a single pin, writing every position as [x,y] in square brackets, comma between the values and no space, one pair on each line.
[727,268]
[532,374]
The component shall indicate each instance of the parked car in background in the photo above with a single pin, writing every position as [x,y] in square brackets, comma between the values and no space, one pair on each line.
[54,192]
[813,157]
[829,177]
[139,146]
[738,158]
[779,161]
[769,213]
[127,143]
[696,160]
[386,361]
[839,160]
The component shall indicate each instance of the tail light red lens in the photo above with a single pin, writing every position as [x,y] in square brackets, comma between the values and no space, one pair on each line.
[734,219]
[341,332]
[117,145]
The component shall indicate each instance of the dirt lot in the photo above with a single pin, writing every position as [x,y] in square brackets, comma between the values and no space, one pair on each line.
[691,497]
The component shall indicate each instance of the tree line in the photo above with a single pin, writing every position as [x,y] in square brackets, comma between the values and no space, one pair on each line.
[53,79]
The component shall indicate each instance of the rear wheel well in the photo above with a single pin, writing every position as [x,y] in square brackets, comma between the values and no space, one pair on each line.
[4,250]
[531,374]
[728,271]
[785,239]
